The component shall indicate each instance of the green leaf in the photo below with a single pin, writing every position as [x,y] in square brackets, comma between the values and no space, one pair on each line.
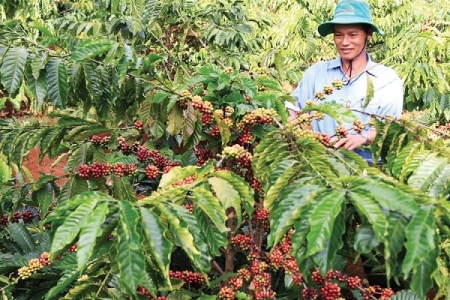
[388,197]
[325,258]
[216,240]
[291,201]
[159,97]
[405,295]
[335,110]
[228,196]
[440,185]
[130,257]
[210,205]
[396,237]
[322,220]
[280,177]
[421,281]
[38,64]
[45,197]
[12,69]
[93,81]
[20,234]
[427,172]
[365,239]
[122,189]
[370,209]
[74,186]
[68,231]
[88,234]
[160,248]
[176,174]
[175,122]
[58,86]
[224,130]
[182,237]
[403,159]
[90,49]
[238,184]
[63,283]
[421,228]
[39,26]
[370,91]
[202,260]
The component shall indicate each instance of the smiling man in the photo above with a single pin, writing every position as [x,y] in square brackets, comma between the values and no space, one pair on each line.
[352,29]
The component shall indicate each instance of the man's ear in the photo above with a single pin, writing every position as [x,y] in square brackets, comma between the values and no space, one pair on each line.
[369,34]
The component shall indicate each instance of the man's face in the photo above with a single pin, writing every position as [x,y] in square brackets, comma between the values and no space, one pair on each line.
[350,40]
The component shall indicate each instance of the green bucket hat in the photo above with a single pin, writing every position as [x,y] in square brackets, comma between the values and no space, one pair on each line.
[349,12]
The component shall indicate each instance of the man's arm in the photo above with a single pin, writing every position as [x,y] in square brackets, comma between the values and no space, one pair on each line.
[392,104]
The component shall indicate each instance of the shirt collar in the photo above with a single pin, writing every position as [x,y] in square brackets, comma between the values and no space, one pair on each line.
[337,63]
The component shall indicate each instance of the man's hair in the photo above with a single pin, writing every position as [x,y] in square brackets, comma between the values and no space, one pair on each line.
[367,28]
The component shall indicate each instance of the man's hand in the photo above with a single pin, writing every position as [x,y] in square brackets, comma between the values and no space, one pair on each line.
[351,142]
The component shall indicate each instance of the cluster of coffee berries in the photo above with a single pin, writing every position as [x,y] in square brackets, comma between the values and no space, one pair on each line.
[185,181]
[97,170]
[259,116]
[262,283]
[99,141]
[320,96]
[358,126]
[138,125]
[227,293]
[26,216]
[310,102]
[372,292]
[322,138]
[341,132]
[317,115]
[225,112]
[33,266]
[44,259]
[337,84]
[204,107]
[189,205]
[304,120]
[330,291]
[330,287]
[309,293]
[83,277]
[261,217]
[123,146]
[328,89]
[245,136]
[183,98]
[276,258]
[73,248]
[203,155]
[237,152]
[152,172]
[254,182]
[188,277]
[228,70]
[242,241]
[215,131]
[302,133]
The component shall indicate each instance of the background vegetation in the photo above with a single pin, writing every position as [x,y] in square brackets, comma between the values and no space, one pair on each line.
[169,118]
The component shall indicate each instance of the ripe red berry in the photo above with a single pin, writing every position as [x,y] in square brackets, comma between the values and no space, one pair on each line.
[152,172]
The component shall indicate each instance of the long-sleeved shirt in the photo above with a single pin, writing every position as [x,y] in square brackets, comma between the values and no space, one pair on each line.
[387,97]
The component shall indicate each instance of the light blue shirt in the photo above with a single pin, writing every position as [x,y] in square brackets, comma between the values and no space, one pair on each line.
[387,99]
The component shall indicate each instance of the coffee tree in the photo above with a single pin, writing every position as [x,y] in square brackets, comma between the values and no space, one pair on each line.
[183,178]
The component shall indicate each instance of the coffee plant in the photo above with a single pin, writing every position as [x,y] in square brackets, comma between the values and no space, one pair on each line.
[183,178]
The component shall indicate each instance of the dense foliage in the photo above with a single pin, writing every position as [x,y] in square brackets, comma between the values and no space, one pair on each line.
[183,178]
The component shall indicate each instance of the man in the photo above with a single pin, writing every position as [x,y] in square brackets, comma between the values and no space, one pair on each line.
[352,29]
